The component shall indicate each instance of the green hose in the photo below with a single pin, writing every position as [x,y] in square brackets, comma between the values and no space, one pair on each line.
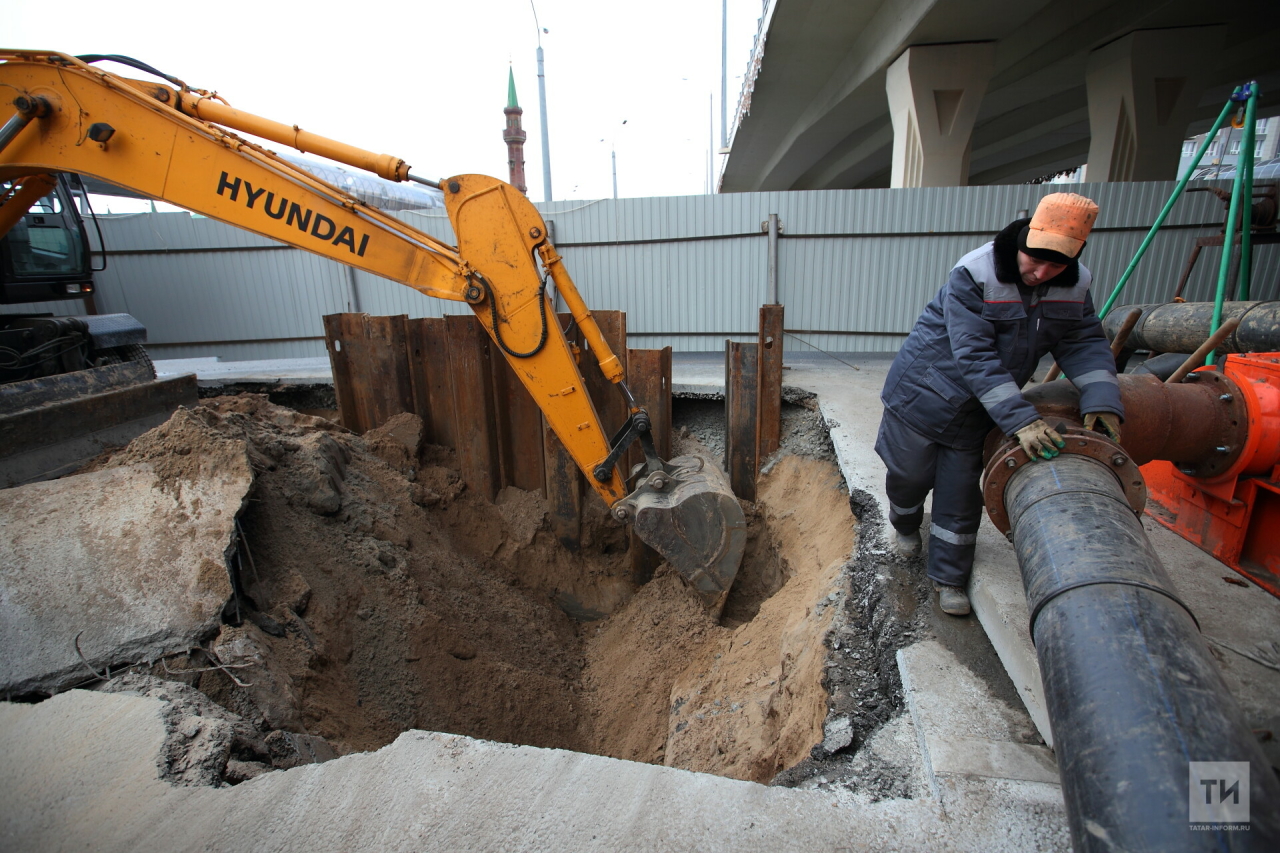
[1245,166]
[1229,233]
[1164,214]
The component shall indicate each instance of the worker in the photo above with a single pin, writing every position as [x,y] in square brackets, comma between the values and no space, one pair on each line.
[960,372]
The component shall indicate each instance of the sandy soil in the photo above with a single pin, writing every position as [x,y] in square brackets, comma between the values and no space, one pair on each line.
[670,685]
[378,595]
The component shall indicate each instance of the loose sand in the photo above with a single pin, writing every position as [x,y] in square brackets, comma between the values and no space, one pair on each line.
[379,594]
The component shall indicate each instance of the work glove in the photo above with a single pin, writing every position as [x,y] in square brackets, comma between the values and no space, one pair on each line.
[1037,439]
[1105,423]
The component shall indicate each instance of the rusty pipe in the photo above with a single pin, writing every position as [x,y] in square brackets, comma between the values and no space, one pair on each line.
[1187,423]
[1183,326]
[1126,329]
[1197,358]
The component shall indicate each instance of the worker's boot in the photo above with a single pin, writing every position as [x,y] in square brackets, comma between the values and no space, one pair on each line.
[908,544]
[952,600]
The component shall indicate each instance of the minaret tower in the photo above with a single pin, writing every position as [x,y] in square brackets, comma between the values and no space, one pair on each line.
[514,136]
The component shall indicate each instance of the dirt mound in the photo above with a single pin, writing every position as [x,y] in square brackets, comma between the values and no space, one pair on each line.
[377,594]
[743,699]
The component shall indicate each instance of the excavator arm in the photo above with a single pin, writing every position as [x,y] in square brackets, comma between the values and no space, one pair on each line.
[178,144]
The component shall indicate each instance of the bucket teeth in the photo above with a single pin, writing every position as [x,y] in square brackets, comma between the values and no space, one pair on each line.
[689,515]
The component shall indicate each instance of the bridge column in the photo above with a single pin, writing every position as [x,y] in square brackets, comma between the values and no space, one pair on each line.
[1143,90]
[934,94]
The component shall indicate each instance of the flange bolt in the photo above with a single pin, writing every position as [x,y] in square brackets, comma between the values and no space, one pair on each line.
[1226,398]
[1118,460]
[622,513]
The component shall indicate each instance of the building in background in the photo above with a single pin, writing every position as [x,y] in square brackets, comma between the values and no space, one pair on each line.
[513,134]
[1224,151]
[844,94]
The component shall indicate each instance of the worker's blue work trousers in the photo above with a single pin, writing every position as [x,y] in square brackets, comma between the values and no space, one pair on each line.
[917,465]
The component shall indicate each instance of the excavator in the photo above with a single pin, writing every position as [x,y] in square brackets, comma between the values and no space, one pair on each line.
[172,142]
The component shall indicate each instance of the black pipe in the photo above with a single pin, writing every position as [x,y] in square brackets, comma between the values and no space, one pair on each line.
[1132,691]
[1183,326]
[1162,366]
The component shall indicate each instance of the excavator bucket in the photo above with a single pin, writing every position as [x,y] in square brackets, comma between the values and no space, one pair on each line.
[688,514]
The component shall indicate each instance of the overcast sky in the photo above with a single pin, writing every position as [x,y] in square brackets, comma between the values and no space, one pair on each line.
[427,81]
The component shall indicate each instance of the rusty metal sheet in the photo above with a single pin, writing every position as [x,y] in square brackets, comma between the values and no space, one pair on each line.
[431,373]
[649,377]
[474,415]
[769,392]
[519,429]
[740,408]
[387,344]
[370,368]
[563,485]
[337,337]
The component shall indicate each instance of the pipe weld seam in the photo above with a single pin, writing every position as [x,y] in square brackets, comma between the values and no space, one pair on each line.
[1104,582]
[1013,522]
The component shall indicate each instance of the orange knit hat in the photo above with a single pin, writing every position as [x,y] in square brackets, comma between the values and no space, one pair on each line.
[1062,223]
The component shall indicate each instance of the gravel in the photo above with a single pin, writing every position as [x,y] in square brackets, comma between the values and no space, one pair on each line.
[803,433]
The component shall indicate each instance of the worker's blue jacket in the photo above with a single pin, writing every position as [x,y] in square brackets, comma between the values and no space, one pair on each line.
[978,342]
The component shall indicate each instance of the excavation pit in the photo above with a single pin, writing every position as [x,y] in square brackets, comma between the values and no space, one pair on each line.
[378,595]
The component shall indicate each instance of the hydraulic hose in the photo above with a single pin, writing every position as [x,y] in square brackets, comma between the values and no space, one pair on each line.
[1133,694]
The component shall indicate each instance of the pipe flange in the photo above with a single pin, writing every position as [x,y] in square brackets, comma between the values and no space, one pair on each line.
[1232,421]
[1009,457]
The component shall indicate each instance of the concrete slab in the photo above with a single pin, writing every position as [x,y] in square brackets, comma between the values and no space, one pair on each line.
[130,560]
[962,729]
[1240,624]
[213,372]
[80,773]
[1000,603]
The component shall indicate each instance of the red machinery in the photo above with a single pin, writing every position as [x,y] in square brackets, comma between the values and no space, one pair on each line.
[1209,451]
[1233,513]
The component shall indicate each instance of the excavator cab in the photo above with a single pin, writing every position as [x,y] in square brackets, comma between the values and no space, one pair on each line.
[45,255]
[45,258]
